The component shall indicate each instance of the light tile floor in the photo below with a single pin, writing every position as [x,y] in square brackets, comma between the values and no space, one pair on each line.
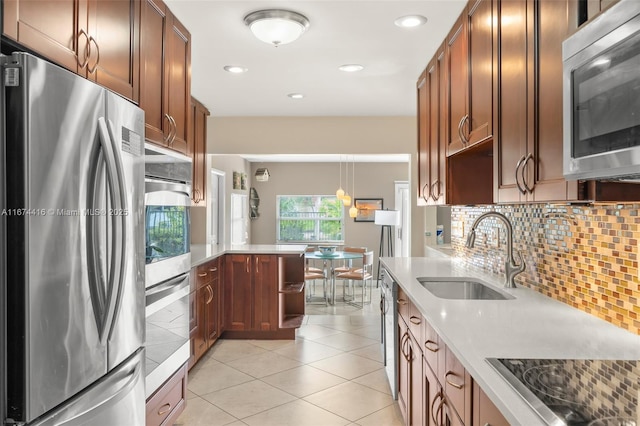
[331,374]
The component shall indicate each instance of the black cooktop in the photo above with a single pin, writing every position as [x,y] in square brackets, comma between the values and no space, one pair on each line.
[576,392]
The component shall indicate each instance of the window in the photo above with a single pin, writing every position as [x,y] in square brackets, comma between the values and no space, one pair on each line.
[305,218]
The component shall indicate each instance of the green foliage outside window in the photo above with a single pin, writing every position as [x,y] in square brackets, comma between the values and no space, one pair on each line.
[305,218]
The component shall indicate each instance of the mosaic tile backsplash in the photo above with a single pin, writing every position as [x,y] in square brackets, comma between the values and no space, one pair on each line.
[583,255]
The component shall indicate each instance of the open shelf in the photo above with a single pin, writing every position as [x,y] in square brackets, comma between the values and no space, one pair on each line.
[292,288]
[292,321]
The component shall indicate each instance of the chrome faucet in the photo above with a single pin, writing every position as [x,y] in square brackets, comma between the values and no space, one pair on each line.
[510,266]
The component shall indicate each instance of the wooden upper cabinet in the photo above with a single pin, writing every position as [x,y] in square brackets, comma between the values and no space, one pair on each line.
[97,39]
[114,30]
[423,140]
[165,82]
[197,149]
[469,68]
[49,28]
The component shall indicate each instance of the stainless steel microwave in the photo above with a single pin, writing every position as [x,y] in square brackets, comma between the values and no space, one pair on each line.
[601,96]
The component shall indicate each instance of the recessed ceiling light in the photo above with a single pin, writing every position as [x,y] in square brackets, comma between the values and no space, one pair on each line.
[235,69]
[410,21]
[351,67]
[295,95]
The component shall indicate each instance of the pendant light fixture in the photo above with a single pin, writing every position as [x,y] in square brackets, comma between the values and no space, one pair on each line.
[346,199]
[353,211]
[340,191]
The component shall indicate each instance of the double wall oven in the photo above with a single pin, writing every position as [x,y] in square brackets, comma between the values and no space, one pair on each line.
[167,263]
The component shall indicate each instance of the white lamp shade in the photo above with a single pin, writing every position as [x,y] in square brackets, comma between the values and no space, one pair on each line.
[387,217]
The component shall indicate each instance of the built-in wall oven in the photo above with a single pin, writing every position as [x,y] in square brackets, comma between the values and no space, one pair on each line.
[601,96]
[168,263]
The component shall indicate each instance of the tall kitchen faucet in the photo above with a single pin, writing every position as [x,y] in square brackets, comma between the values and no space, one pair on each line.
[510,266]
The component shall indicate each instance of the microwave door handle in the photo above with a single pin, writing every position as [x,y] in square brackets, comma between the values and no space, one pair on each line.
[119,217]
[167,186]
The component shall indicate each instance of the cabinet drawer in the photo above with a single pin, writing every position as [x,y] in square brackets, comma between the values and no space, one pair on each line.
[457,385]
[403,305]
[207,272]
[433,349]
[415,322]
[164,407]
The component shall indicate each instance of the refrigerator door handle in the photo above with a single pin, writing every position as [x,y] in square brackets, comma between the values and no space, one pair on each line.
[115,262]
[120,215]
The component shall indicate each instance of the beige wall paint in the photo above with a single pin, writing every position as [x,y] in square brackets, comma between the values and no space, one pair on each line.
[373,180]
[323,135]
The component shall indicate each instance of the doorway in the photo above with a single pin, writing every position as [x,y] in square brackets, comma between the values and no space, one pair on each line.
[402,237]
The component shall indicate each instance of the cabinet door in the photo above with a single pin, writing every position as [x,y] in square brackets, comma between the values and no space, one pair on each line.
[435,165]
[265,292]
[211,318]
[457,386]
[114,28]
[237,292]
[457,83]
[478,126]
[153,72]
[432,393]
[484,411]
[200,335]
[423,140]
[178,64]
[193,327]
[51,28]
[511,118]
[416,401]
[443,94]
[198,146]
[553,21]
[404,378]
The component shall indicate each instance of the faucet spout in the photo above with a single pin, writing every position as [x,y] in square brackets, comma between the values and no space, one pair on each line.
[510,266]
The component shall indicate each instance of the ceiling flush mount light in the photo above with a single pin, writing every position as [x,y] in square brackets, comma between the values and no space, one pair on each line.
[410,21]
[276,26]
[351,67]
[235,69]
[295,95]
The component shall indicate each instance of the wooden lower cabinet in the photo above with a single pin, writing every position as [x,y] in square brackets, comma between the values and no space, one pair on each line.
[410,389]
[432,392]
[205,309]
[484,412]
[164,406]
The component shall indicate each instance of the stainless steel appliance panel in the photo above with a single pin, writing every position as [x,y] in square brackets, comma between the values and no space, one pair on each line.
[54,119]
[127,334]
[109,402]
[390,324]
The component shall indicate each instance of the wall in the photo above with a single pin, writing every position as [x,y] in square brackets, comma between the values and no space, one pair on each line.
[373,180]
[584,256]
[323,135]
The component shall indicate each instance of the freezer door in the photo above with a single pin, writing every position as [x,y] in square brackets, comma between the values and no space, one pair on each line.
[117,399]
[66,268]
[125,123]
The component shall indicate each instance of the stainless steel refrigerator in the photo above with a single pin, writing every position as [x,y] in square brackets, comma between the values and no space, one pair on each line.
[72,181]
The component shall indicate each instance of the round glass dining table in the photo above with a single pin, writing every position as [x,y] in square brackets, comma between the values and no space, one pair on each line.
[328,266]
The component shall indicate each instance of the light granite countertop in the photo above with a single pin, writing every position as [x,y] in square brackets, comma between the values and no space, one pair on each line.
[530,326]
[201,253]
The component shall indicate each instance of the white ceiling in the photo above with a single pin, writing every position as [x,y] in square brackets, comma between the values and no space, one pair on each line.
[341,32]
[327,158]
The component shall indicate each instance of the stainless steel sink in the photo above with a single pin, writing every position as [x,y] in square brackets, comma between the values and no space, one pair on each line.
[462,288]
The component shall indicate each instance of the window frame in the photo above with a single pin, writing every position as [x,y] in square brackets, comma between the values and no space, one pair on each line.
[317,219]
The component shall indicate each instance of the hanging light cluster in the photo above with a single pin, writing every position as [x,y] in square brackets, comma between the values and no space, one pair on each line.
[353,211]
[340,191]
[343,195]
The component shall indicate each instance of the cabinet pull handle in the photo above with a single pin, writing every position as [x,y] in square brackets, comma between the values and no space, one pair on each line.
[202,274]
[425,197]
[463,138]
[518,164]
[440,407]
[248,265]
[455,385]
[432,349]
[87,48]
[460,135]
[175,129]
[436,184]
[214,269]
[524,179]
[415,320]
[211,295]
[401,302]
[407,342]
[196,196]
[93,69]
[166,140]
[164,409]
[433,403]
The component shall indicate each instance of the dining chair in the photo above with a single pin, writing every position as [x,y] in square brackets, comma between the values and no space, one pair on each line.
[364,275]
[312,249]
[346,267]
[310,276]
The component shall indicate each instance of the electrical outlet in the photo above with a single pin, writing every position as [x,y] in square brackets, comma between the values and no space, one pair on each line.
[495,238]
